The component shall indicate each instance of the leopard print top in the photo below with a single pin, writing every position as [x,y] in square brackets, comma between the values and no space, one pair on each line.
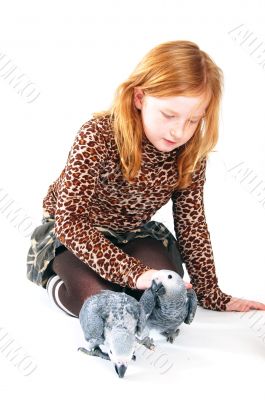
[91,192]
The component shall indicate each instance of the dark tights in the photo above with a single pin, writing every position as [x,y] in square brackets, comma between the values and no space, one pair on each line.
[80,281]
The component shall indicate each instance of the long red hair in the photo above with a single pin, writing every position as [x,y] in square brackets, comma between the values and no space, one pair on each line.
[174,68]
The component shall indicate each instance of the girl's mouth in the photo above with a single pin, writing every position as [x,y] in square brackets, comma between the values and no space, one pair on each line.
[169,142]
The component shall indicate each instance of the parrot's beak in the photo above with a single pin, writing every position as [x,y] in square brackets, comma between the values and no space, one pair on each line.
[158,287]
[120,369]
[155,285]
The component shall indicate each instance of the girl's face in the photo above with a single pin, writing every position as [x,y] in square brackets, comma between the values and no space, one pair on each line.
[169,122]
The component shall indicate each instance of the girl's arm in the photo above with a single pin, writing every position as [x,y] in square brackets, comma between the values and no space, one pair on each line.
[195,244]
[73,222]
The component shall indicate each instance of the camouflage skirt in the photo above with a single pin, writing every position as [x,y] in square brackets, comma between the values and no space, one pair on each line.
[44,245]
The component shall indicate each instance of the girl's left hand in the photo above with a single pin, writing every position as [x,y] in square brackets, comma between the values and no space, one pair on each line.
[236,304]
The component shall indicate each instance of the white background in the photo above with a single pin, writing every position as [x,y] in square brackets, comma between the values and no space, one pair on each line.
[76,53]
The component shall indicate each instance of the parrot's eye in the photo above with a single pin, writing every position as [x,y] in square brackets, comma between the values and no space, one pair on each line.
[169,276]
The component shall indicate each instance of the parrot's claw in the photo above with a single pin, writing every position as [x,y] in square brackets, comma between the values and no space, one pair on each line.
[147,342]
[171,336]
[96,352]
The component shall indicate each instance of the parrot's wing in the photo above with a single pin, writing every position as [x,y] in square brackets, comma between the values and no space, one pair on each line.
[191,306]
[148,301]
[91,322]
[141,323]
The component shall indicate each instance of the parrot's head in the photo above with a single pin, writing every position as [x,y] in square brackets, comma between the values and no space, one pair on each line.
[121,349]
[167,282]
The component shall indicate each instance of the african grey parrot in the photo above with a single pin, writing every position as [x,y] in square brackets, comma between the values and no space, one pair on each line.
[167,304]
[115,320]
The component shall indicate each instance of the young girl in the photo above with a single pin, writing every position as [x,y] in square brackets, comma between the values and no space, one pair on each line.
[125,164]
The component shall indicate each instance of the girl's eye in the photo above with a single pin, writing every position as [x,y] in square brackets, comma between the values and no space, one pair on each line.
[173,116]
[167,116]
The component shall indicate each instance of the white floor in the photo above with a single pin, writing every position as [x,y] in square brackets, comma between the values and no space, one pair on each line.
[219,355]
[62,49]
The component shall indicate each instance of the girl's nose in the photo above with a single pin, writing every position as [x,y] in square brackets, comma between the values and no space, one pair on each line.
[176,134]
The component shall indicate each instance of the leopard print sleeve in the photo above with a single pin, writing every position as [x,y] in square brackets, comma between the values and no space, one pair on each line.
[195,244]
[73,221]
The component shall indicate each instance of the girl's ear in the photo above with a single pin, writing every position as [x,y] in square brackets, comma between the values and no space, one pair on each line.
[138,98]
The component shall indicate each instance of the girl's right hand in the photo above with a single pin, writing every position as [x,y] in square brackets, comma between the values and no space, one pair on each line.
[144,281]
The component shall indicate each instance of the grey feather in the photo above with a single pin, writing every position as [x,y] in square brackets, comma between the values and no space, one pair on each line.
[167,303]
[191,306]
[113,319]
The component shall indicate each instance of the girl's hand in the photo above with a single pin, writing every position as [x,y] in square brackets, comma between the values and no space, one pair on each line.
[236,304]
[144,281]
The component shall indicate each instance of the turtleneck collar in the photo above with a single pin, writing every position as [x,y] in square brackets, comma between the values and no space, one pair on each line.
[151,155]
